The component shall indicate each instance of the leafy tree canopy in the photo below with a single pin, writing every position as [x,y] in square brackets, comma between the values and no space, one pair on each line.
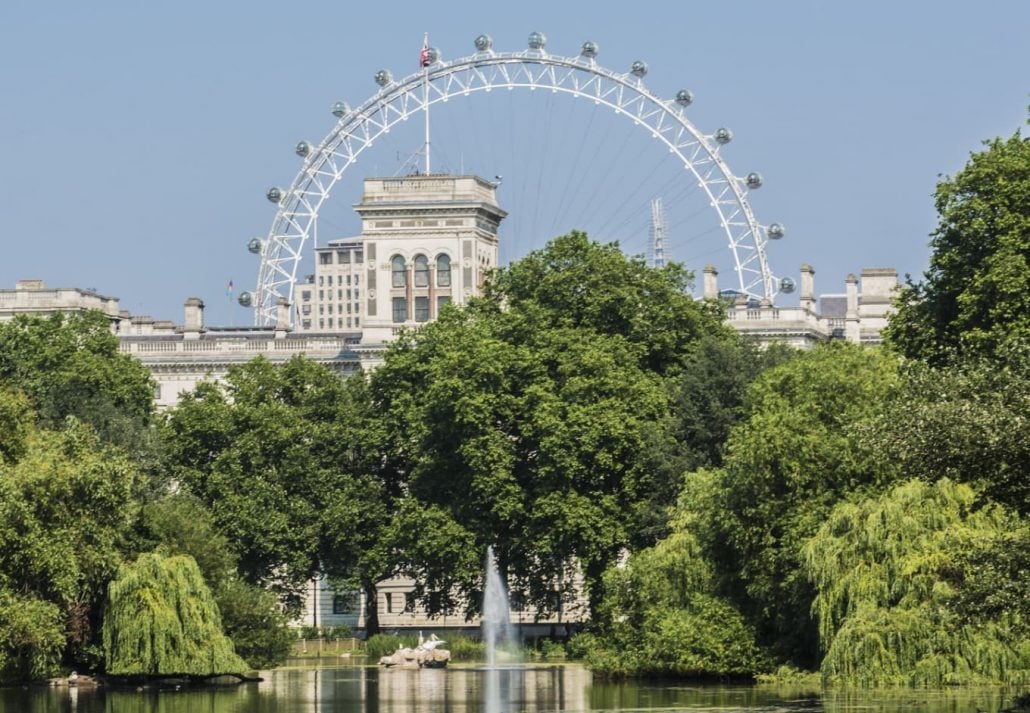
[794,456]
[975,298]
[69,365]
[161,620]
[65,506]
[268,453]
[887,571]
[575,282]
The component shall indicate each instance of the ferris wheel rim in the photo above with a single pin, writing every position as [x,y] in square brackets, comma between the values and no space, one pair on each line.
[296,210]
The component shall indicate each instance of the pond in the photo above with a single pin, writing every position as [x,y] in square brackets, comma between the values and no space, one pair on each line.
[469,688]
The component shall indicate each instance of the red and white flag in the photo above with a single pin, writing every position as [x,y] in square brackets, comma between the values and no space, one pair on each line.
[423,58]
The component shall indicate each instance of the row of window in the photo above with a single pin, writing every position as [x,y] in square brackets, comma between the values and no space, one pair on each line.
[399,271]
[400,308]
[322,309]
[333,324]
[323,279]
[343,257]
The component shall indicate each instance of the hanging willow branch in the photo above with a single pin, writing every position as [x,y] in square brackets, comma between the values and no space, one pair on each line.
[161,620]
[886,570]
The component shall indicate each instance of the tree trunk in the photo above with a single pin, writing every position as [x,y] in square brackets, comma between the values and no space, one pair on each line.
[371,608]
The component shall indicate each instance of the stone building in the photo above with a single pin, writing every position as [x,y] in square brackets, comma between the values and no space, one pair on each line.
[426,240]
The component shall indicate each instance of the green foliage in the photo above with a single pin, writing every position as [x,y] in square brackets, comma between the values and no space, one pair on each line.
[161,620]
[995,580]
[270,454]
[64,508]
[529,421]
[379,645]
[885,569]
[975,298]
[31,638]
[786,465]
[966,422]
[69,365]
[464,648]
[661,619]
[255,622]
[575,283]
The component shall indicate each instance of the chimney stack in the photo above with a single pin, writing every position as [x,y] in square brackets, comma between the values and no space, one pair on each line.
[851,330]
[194,318]
[711,282]
[282,318]
[807,288]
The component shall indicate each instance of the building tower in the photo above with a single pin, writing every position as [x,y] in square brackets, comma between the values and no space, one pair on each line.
[426,240]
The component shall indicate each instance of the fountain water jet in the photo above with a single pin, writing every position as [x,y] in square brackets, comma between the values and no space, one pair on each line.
[497,627]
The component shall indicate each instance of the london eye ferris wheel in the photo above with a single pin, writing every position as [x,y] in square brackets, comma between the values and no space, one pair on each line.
[698,158]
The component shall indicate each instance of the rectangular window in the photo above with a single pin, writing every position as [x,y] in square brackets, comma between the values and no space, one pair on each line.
[330,280]
[321,324]
[306,309]
[325,258]
[356,279]
[348,308]
[348,279]
[421,309]
[319,280]
[440,302]
[356,322]
[342,604]
[400,309]
[357,294]
[306,324]
[330,308]
[389,603]
[348,294]
[330,323]
[359,256]
[339,294]
[343,257]
[321,294]
[348,321]
[306,295]
[321,309]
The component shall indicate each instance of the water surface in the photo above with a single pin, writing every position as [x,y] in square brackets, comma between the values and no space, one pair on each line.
[461,688]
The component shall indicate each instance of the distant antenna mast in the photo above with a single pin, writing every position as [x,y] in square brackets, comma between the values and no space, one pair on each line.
[426,58]
[659,234]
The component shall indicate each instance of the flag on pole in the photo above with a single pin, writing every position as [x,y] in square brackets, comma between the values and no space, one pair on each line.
[423,58]
[228,289]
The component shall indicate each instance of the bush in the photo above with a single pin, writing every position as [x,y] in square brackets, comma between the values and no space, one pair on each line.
[385,644]
[341,631]
[552,650]
[255,622]
[580,645]
[464,648]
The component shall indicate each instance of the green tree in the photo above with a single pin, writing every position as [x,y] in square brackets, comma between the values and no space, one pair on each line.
[536,419]
[975,298]
[966,422]
[786,465]
[277,454]
[31,637]
[252,617]
[66,506]
[581,284]
[887,568]
[69,365]
[161,620]
[662,617]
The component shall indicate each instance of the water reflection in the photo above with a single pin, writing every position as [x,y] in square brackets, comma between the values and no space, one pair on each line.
[505,690]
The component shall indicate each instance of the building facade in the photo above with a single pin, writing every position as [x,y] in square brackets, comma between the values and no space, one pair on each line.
[426,240]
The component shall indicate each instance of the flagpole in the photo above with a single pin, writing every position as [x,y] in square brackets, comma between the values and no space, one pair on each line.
[425,99]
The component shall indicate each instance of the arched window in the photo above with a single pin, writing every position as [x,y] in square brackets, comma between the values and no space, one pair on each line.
[400,271]
[421,271]
[443,271]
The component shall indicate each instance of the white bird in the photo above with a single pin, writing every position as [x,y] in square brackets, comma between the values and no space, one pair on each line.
[433,642]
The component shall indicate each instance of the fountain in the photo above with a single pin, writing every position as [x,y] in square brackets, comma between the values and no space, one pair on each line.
[497,629]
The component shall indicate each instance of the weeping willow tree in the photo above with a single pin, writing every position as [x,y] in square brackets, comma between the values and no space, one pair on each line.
[887,571]
[161,620]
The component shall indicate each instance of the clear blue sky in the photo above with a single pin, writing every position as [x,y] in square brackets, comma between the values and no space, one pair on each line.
[137,139]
